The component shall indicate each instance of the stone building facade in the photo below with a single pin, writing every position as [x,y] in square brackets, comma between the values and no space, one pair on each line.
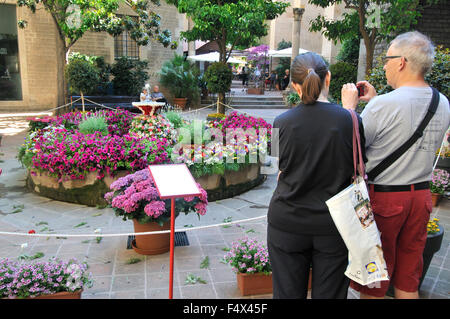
[28,71]
[281,29]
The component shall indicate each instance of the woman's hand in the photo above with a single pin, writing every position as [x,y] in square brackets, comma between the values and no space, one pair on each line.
[349,96]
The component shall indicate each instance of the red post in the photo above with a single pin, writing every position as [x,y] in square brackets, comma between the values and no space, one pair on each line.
[172,245]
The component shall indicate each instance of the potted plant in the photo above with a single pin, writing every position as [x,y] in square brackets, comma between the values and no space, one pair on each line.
[250,262]
[432,245]
[135,197]
[438,185]
[54,279]
[180,77]
[444,154]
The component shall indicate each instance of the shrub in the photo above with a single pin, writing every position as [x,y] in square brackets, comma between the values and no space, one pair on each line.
[341,73]
[180,77]
[174,118]
[93,124]
[82,76]
[439,77]
[349,51]
[293,99]
[103,68]
[218,77]
[129,76]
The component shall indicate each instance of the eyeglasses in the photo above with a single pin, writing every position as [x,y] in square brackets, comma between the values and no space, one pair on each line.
[386,58]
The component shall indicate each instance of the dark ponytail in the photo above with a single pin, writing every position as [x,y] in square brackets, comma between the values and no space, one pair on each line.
[309,70]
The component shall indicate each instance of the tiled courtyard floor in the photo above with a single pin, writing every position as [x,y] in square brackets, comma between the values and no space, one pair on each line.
[149,278]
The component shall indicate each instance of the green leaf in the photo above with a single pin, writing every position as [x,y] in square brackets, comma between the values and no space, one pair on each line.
[80,224]
[193,279]
[205,263]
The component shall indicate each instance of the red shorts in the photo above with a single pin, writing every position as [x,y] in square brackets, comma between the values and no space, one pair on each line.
[402,219]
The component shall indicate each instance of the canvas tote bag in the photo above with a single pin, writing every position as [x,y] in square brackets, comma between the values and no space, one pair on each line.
[352,214]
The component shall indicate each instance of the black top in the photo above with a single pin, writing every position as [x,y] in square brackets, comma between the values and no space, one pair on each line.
[316,161]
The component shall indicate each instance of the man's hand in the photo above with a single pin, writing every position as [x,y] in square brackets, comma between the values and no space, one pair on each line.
[369,91]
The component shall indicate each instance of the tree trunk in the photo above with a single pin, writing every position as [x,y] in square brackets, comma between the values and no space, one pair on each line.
[61,86]
[370,47]
[221,95]
[220,104]
[82,100]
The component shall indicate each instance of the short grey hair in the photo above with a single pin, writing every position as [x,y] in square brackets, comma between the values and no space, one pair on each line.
[418,49]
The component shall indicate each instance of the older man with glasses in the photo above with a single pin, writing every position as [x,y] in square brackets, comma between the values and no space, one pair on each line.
[399,191]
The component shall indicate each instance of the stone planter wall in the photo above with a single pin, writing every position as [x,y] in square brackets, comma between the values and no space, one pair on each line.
[89,191]
[232,183]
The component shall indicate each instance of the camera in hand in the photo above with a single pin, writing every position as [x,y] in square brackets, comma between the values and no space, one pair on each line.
[360,88]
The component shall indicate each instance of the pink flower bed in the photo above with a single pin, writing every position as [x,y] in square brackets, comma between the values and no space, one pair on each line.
[65,153]
[75,154]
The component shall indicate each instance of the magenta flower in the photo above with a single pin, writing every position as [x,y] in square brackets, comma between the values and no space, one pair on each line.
[135,197]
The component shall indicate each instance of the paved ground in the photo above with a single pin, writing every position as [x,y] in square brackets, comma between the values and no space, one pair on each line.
[149,278]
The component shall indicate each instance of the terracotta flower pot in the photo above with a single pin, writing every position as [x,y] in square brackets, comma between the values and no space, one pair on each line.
[152,244]
[180,102]
[62,295]
[435,198]
[254,284]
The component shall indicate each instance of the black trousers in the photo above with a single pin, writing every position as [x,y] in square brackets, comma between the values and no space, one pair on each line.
[291,257]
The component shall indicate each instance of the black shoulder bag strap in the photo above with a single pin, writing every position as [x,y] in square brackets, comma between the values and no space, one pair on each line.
[417,134]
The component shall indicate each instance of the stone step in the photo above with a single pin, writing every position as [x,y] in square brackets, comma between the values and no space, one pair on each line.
[254,106]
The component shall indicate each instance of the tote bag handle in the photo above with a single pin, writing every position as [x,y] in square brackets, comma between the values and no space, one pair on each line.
[358,163]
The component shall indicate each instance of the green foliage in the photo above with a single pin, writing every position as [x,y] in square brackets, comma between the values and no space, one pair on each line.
[341,73]
[180,77]
[283,44]
[218,77]
[395,17]
[293,98]
[129,76]
[236,24]
[439,77]
[349,51]
[26,158]
[284,63]
[94,124]
[73,18]
[194,132]
[103,68]
[174,118]
[82,76]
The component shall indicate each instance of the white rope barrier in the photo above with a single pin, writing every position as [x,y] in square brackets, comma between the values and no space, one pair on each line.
[104,106]
[99,234]
[56,108]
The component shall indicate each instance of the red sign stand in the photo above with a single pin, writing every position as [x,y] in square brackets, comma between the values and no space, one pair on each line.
[173,181]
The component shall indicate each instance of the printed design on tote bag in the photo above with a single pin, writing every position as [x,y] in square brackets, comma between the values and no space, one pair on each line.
[362,207]
[371,267]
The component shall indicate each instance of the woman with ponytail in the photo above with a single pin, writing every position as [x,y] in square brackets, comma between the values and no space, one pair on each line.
[315,162]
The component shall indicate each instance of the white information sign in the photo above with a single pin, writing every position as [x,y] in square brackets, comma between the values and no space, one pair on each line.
[173,180]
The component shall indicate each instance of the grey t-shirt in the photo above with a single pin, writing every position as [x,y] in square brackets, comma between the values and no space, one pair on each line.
[390,120]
